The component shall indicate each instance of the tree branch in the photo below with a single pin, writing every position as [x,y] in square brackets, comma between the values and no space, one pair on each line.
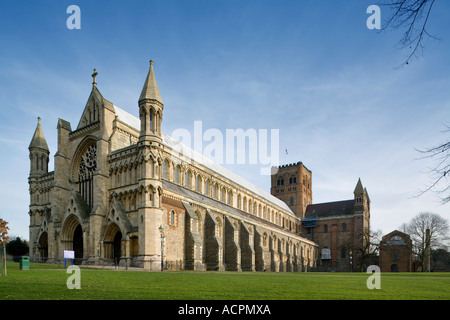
[409,14]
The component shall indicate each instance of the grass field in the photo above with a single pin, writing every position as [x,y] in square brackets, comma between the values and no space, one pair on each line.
[48,282]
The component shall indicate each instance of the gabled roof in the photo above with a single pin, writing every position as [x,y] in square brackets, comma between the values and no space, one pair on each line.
[96,97]
[38,140]
[330,209]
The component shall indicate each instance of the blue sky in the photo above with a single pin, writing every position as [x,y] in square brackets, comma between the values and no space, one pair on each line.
[311,69]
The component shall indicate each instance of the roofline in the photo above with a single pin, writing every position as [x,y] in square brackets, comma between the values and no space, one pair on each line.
[314,204]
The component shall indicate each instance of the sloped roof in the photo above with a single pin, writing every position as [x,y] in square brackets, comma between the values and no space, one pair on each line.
[190,154]
[330,209]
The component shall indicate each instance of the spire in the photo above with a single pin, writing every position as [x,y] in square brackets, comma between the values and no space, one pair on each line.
[359,188]
[150,90]
[38,140]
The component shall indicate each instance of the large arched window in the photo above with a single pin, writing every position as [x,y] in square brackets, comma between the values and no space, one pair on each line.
[86,171]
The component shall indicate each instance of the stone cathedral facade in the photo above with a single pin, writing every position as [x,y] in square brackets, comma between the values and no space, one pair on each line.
[121,192]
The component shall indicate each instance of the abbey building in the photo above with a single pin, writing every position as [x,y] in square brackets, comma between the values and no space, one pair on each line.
[122,193]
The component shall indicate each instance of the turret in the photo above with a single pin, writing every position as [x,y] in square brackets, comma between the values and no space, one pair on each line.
[150,147]
[39,152]
[150,109]
[362,200]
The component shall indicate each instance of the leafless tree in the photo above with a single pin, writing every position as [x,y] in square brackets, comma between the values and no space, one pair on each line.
[439,232]
[371,244]
[412,16]
[440,171]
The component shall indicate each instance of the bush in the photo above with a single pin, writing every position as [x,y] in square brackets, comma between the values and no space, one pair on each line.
[17,247]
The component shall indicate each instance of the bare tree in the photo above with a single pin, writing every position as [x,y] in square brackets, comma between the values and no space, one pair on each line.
[413,17]
[417,229]
[370,248]
[440,171]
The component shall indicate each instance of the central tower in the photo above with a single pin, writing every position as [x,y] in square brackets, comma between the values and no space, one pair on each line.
[149,178]
[293,184]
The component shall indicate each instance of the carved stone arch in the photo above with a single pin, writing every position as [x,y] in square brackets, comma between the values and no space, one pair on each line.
[142,111]
[140,158]
[44,223]
[265,239]
[274,242]
[158,120]
[116,215]
[151,157]
[79,152]
[120,166]
[42,246]
[199,227]
[89,113]
[84,166]
[160,191]
[72,236]
[152,113]
[219,227]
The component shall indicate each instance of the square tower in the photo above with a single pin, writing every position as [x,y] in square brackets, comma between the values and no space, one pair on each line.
[292,183]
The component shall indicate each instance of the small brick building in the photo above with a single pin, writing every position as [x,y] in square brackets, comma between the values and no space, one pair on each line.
[396,252]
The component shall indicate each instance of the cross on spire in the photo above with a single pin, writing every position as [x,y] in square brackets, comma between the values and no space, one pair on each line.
[94,76]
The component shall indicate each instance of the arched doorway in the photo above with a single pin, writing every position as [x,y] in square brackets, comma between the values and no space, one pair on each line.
[113,243]
[43,247]
[394,267]
[78,244]
[72,237]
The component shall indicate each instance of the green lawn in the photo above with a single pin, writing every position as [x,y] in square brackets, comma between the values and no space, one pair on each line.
[48,282]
